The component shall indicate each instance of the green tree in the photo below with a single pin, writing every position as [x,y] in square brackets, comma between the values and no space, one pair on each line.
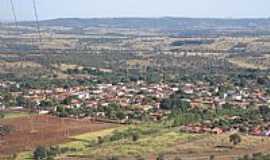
[120,115]
[2,115]
[100,140]
[21,101]
[40,153]
[61,111]
[67,101]
[46,103]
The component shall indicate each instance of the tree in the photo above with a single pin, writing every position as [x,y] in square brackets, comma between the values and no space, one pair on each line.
[235,139]
[67,101]
[135,137]
[61,111]
[2,115]
[46,103]
[40,153]
[120,115]
[21,101]
[100,140]
[175,102]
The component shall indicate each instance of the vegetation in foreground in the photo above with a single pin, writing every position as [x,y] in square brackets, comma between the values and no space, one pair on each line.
[142,142]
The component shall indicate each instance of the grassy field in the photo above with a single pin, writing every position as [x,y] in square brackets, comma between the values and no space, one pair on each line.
[154,143]
[156,139]
[19,156]
[148,144]
[167,141]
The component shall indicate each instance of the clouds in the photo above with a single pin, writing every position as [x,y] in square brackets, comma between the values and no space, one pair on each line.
[137,8]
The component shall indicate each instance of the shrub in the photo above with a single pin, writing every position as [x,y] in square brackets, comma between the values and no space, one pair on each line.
[135,137]
[53,151]
[235,139]
[100,140]
[40,153]
[2,115]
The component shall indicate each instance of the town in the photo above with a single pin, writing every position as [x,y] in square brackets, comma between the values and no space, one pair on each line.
[135,88]
[136,101]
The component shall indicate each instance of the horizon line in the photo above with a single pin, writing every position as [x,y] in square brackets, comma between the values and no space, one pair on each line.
[142,17]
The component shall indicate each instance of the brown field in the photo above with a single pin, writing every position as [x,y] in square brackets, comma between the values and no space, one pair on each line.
[43,130]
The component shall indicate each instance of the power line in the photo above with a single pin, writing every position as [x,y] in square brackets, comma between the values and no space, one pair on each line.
[37,20]
[15,19]
[14,14]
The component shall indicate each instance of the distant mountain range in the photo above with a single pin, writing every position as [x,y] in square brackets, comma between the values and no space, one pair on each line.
[157,23]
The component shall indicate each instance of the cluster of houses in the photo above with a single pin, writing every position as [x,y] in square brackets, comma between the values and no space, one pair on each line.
[255,130]
[259,131]
[148,96]
[139,94]
[203,95]
[198,128]
[144,96]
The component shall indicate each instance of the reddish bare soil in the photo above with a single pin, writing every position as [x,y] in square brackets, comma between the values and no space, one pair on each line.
[43,130]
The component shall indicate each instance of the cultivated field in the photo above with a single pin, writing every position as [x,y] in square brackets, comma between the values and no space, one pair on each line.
[43,130]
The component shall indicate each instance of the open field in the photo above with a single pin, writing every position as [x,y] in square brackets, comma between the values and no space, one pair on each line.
[172,144]
[77,142]
[43,130]
[167,141]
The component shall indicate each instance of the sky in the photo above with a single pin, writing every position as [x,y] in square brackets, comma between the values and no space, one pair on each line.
[49,9]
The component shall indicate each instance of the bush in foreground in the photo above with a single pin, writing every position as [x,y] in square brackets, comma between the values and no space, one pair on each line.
[40,153]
